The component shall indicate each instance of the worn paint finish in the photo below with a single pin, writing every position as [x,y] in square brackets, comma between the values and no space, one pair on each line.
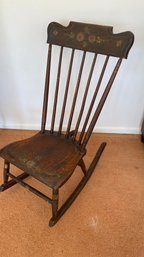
[48,157]
[91,37]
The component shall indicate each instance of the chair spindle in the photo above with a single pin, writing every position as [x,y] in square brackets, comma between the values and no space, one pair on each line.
[85,96]
[93,99]
[101,103]
[66,90]
[56,90]
[46,91]
[76,93]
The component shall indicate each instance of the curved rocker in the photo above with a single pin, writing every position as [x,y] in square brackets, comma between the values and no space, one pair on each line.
[58,213]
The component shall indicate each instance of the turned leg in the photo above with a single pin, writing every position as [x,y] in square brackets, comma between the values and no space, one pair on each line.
[6,171]
[55,202]
[7,184]
[55,198]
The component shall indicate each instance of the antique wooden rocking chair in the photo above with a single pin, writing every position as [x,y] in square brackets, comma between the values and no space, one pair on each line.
[52,155]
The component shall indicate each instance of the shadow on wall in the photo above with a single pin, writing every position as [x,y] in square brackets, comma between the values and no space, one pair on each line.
[8,91]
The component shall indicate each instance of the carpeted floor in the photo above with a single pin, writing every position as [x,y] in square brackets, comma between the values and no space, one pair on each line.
[106,220]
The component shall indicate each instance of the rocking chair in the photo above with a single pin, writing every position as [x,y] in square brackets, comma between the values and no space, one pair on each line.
[52,155]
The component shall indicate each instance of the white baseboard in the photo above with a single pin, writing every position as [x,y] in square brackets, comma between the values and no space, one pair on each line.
[116,130]
[19,126]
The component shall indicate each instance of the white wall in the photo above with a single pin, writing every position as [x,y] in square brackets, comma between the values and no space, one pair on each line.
[23,53]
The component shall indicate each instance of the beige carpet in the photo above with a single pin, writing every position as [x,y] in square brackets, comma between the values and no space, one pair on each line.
[106,220]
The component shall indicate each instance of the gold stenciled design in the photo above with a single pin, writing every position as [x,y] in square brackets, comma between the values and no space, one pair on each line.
[84,43]
[118,43]
[55,32]
[91,38]
[86,39]
[80,36]
[99,40]
[72,35]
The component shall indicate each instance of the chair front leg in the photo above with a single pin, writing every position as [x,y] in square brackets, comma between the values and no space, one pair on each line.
[6,171]
[5,175]
[55,198]
[9,183]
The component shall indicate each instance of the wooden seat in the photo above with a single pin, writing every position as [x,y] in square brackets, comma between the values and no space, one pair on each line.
[48,157]
[83,60]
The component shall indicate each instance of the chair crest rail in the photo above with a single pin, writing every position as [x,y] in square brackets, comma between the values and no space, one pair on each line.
[90,37]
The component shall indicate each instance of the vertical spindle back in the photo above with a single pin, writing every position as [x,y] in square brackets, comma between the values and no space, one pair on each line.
[77,80]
